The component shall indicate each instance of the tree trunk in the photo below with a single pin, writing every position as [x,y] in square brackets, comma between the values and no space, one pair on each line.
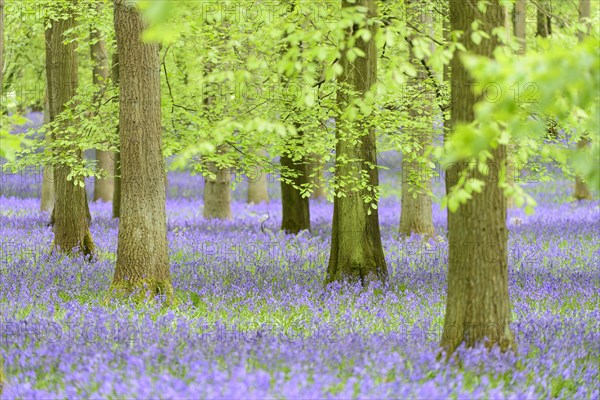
[477,306]
[142,253]
[47,202]
[356,250]
[544,21]
[217,192]
[315,171]
[116,200]
[519,22]
[582,191]
[70,212]
[416,214]
[2,52]
[258,185]
[295,208]
[103,187]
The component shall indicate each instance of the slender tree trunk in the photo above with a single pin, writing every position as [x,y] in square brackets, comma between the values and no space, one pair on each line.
[116,200]
[544,21]
[519,25]
[1,112]
[477,306]
[217,191]
[416,214]
[103,187]
[2,51]
[315,171]
[70,214]
[258,186]
[582,191]
[142,253]
[295,208]
[356,250]
[47,202]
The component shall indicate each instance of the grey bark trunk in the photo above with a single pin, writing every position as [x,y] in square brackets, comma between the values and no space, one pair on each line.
[142,253]
[47,202]
[258,185]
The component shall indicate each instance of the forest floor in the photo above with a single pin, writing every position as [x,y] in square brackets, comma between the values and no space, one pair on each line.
[254,321]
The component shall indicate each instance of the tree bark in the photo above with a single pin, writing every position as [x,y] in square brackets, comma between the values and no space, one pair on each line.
[295,208]
[356,250]
[47,201]
[70,214]
[116,200]
[477,306]
[103,187]
[416,214]
[582,191]
[142,253]
[258,186]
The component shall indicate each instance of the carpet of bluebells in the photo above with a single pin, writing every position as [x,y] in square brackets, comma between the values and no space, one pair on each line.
[253,319]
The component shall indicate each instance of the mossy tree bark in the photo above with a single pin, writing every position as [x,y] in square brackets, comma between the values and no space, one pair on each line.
[582,191]
[142,253]
[71,214]
[103,187]
[356,250]
[295,209]
[416,214]
[477,306]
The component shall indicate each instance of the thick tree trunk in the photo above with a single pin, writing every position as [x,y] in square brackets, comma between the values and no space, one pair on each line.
[142,253]
[295,208]
[116,200]
[582,191]
[70,214]
[544,21]
[416,214]
[104,187]
[477,306]
[47,201]
[356,250]
[258,186]
[217,192]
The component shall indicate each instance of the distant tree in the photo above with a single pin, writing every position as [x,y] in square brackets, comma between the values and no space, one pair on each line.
[477,306]
[544,18]
[47,200]
[258,185]
[103,187]
[295,207]
[416,213]
[582,191]
[217,190]
[70,216]
[142,253]
[356,250]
